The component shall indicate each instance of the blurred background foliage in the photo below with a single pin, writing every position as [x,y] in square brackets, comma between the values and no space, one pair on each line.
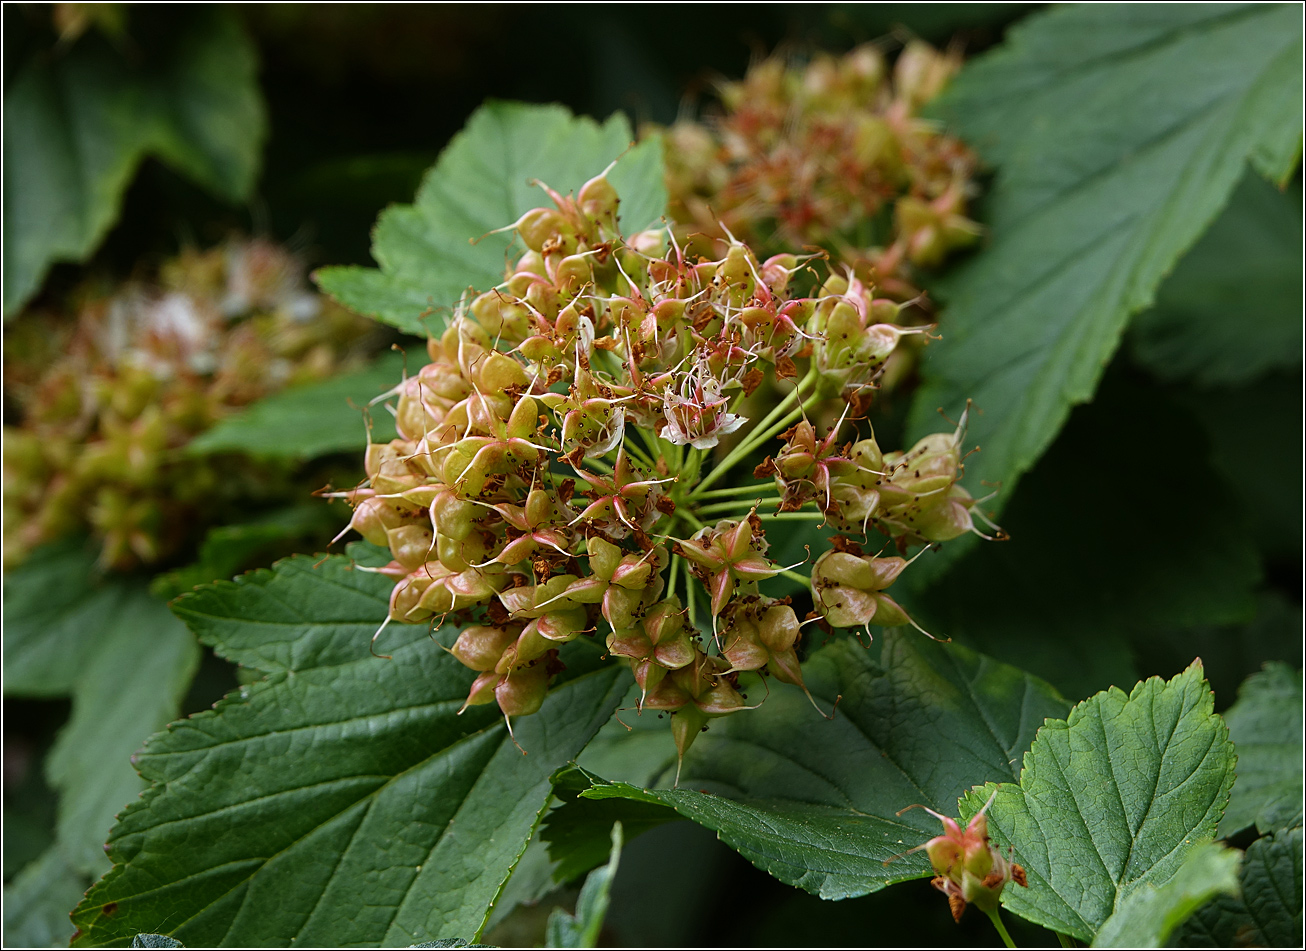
[1175,496]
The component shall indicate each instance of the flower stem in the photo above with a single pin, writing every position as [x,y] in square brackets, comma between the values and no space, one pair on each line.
[735,490]
[738,505]
[671,577]
[633,449]
[760,434]
[996,918]
[795,576]
[1066,940]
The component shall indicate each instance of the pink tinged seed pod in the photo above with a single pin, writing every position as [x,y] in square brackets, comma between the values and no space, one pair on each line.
[968,867]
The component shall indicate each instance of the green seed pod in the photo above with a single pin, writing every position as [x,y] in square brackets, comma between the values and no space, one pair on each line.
[481,647]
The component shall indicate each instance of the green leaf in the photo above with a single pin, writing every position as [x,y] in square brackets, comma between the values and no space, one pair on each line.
[581,930]
[53,604]
[1266,728]
[815,802]
[1148,916]
[77,124]
[313,419]
[37,902]
[579,832]
[1118,134]
[129,687]
[1269,912]
[1111,799]
[482,182]
[342,800]
[1232,308]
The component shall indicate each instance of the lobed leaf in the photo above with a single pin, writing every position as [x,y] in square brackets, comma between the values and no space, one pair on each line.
[313,419]
[433,250]
[1148,916]
[36,902]
[1118,134]
[815,803]
[1112,799]
[1231,311]
[1266,728]
[130,686]
[1269,911]
[52,602]
[342,800]
[77,125]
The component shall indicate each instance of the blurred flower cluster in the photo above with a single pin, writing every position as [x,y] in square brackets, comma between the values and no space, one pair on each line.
[831,154]
[106,402]
[560,469]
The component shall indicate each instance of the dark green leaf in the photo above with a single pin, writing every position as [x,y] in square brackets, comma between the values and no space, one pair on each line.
[53,604]
[482,182]
[313,419]
[579,832]
[1119,133]
[130,686]
[1232,308]
[1112,799]
[342,800]
[76,126]
[815,802]
[1147,917]
[1269,912]
[38,901]
[581,930]
[1266,729]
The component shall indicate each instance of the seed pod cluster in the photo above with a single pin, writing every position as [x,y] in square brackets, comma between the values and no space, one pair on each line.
[552,474]
[105,402]
[817,154]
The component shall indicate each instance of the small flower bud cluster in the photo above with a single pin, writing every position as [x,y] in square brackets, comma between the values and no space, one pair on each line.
[811,155]
[968,868]
[551,478]
[106,403]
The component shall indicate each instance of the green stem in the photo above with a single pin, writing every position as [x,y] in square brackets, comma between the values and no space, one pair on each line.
[671,577]
[749,443]
[634,450]
[1002,929]
[689,517]
[797,516]
[795,576]
[1066,940]
[691,602]
[737,490]
[738,505]
[741,451]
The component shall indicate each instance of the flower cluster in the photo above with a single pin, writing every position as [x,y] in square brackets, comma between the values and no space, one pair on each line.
[106,402]
[830,154]
[560,463]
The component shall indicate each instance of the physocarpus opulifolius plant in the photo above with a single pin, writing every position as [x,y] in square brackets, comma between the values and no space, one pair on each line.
[106,403]
[559,469]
